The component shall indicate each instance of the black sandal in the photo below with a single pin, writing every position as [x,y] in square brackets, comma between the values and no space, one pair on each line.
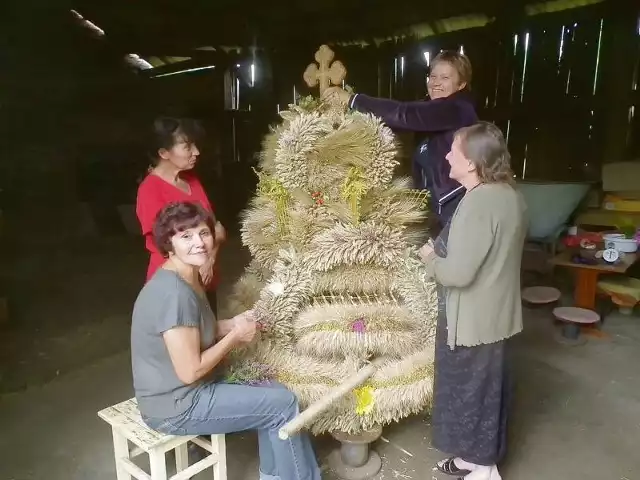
[449,467]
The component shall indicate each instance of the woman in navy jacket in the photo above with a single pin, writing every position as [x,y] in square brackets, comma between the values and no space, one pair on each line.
[448,109]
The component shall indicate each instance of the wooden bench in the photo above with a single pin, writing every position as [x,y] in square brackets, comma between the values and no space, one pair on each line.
[127,426]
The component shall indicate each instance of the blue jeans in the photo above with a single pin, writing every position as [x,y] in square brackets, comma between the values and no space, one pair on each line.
[220,408]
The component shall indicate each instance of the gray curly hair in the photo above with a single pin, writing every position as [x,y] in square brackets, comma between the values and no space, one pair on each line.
[485,146]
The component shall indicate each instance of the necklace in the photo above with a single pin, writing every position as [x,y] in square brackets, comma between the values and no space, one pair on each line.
[472,188]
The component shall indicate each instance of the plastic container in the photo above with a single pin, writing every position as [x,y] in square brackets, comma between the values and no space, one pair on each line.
[619,242]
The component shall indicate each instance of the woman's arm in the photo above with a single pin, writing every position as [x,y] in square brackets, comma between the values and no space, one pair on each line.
[178,321]
[183,345]
[470,240]
[224,327]
[422,116]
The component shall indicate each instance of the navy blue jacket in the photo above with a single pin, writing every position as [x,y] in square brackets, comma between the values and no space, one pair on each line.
[440,119]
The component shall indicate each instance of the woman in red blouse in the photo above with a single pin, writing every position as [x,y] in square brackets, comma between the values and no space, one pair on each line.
[170,180]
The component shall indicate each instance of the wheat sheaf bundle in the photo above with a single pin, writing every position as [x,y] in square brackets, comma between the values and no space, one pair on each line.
[334,279]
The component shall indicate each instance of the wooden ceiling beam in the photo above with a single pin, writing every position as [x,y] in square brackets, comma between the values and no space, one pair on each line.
[178,28]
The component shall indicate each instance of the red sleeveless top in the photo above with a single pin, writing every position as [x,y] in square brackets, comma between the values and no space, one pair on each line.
[153,195]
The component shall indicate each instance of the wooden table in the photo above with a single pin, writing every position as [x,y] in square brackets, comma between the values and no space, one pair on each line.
[587,276]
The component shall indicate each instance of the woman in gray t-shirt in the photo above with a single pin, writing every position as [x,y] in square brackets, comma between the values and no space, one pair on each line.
[176,342]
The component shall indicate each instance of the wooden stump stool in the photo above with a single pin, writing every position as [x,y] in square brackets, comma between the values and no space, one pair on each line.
[355,460]
[624,292]
[540,295]
[127,426]
[625,306]
[573,318]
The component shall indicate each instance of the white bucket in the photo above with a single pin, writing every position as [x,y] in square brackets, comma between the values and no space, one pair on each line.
[620,243]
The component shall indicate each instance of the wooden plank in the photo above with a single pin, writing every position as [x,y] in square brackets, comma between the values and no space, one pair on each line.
[158,465]
[196,468]
[120,453]
[564,260]
[135,471]
[126,418]
[219,444]
[182,457]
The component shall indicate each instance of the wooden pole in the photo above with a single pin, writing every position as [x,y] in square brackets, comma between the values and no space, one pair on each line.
[322,405]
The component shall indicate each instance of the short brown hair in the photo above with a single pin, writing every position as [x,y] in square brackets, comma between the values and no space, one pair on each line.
[178,217]
[485,146]
[459,61]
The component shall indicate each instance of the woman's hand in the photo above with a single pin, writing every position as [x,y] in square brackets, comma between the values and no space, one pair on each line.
[225,327]
[206,270]
[425,251]
[336,95]
[244,328]
[220,232]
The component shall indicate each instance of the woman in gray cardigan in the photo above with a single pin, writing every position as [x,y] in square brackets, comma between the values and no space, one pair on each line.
[476,263]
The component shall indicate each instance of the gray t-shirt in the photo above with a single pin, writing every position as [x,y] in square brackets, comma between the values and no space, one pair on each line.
[165,302]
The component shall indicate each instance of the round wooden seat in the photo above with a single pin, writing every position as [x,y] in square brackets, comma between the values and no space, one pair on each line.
[625,307]
[573,318]
[540,295]
[576,315]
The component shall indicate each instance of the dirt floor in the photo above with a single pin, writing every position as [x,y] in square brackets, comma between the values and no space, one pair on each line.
[576,411]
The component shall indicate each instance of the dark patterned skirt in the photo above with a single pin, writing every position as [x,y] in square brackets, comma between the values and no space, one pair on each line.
[471,393]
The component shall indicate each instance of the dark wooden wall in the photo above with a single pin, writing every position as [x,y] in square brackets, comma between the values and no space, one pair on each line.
[72,112]
[562,86]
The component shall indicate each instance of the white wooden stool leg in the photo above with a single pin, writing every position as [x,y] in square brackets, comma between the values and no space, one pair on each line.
[158,465]
[219,446]
[120,450]
[182,457]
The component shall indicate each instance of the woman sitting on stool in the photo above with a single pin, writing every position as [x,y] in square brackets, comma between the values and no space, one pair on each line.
[176,342]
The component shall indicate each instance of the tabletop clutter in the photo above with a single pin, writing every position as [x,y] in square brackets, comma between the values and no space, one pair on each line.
[592,255]
[601,248]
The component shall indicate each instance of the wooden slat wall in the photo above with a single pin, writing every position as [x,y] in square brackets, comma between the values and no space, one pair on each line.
[560,125]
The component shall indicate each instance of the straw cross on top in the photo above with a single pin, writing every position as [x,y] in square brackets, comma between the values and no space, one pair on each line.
[326,72]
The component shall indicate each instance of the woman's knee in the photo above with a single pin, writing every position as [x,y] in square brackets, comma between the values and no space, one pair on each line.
[284,402]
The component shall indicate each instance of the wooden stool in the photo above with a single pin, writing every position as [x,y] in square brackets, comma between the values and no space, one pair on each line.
[624,292]
[540,295]
[127,426]
[624,303]
[573,318]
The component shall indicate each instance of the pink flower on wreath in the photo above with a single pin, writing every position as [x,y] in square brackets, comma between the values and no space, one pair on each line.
[318,198]
[359,326]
